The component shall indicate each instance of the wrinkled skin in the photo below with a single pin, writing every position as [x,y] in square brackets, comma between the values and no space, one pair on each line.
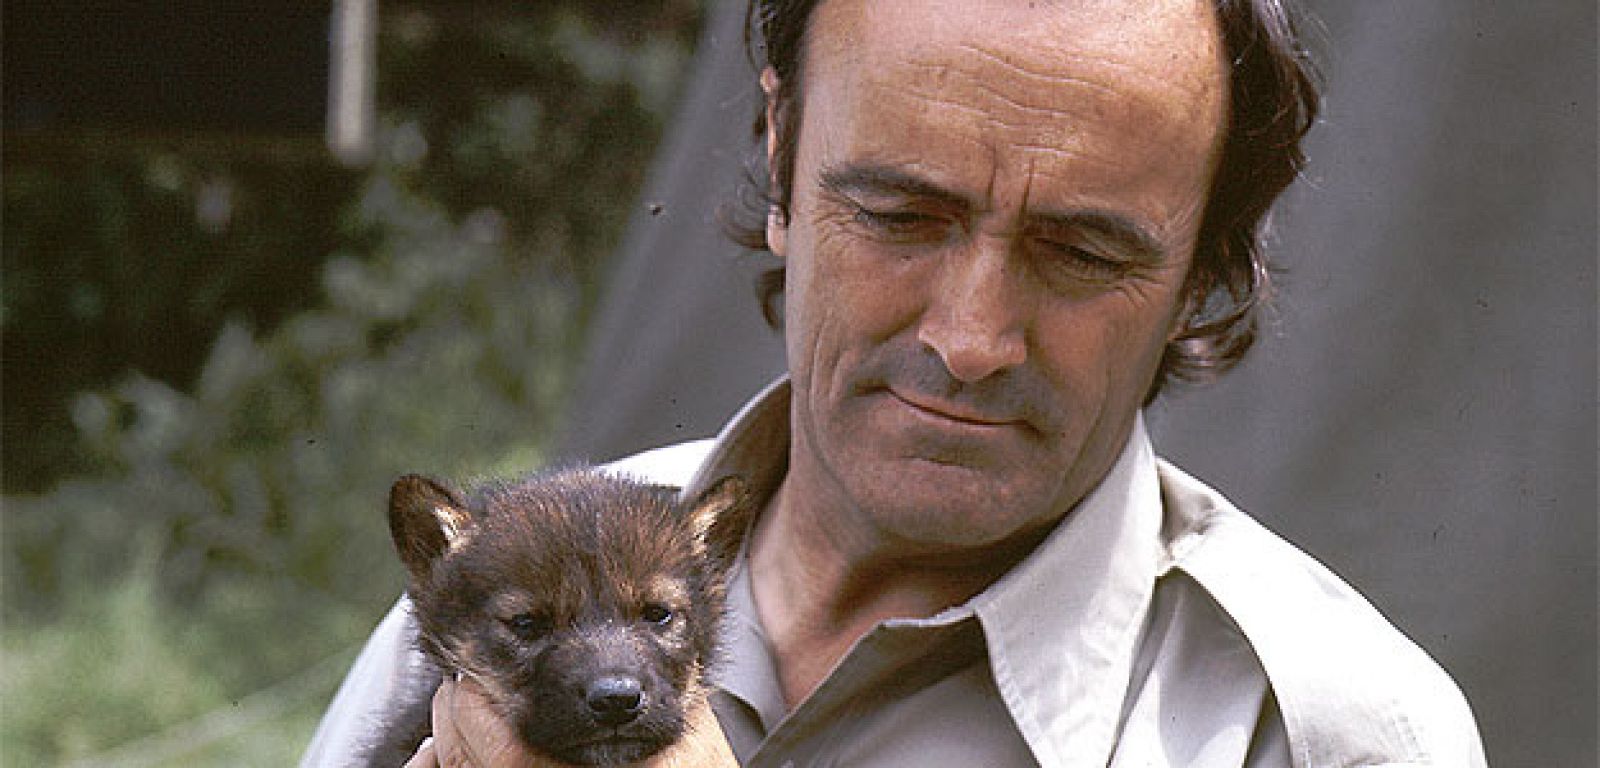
[994,208]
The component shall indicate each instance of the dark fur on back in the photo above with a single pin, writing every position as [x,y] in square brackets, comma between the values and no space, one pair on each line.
[586,605]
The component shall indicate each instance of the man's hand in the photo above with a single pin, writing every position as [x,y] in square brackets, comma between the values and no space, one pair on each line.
[468,734]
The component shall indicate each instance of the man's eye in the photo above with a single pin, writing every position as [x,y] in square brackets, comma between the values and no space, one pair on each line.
[1081,263]
[900,224]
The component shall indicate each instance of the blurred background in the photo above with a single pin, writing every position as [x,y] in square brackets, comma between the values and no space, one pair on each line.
[258,259]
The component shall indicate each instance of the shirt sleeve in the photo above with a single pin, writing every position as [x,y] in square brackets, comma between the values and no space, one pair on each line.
[373,681]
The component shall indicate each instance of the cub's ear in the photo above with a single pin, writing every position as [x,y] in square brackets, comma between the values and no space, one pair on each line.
[426,520]
[719,516]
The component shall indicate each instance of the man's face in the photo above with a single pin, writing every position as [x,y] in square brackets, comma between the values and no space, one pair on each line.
[994,207]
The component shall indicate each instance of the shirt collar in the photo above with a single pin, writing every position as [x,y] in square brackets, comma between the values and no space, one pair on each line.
[754,445]
[1063,626]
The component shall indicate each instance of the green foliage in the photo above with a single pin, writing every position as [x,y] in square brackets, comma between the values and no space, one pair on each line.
[438,351]
[109,266]
[223,529]
[121,663]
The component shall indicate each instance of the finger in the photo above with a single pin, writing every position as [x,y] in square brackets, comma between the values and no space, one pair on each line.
[469,732]
[446,740]
[454,737]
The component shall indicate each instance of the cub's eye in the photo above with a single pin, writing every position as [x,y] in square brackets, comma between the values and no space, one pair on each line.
[528,626]
[658,615]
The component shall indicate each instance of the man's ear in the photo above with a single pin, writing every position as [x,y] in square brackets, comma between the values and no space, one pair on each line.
[769,89]
[426,520]
[777,227]
[719,516]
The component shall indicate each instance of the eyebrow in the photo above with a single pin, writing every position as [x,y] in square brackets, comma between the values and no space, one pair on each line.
[869,179]
[879,180]
[1142,246]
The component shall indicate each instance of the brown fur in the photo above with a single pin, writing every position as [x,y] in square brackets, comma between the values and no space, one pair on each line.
[586,605]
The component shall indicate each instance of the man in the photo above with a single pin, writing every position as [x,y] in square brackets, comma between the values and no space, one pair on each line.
[1003,226]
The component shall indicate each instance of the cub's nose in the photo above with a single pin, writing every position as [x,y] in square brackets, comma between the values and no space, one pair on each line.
[615,699]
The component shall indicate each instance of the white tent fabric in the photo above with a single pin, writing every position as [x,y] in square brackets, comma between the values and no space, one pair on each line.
[1422,413]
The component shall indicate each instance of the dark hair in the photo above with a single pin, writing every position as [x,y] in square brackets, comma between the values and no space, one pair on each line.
[1273,93]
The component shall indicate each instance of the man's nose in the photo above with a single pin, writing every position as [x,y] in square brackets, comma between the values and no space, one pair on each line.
[976,318]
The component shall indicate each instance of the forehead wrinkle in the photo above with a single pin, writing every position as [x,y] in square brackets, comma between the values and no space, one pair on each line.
[1059,95]
[1001,108]
[994,180]
[1029,71]
[935,92]
[1079,61]
[999,115]
[1042,79]
[1027,183]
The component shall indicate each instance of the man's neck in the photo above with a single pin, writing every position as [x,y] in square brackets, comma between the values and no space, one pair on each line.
[820,583]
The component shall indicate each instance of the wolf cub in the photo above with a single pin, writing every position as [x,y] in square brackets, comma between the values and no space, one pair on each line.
[587,606]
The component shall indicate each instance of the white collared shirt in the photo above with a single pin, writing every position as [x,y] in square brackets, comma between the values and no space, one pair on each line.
[1156,626]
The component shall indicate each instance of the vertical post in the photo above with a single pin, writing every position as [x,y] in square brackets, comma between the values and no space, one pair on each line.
[352,80]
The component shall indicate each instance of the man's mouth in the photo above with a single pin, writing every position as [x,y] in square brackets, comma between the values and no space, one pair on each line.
[950,411]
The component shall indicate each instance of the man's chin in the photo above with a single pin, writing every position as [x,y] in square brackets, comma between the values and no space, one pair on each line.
[951,505]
